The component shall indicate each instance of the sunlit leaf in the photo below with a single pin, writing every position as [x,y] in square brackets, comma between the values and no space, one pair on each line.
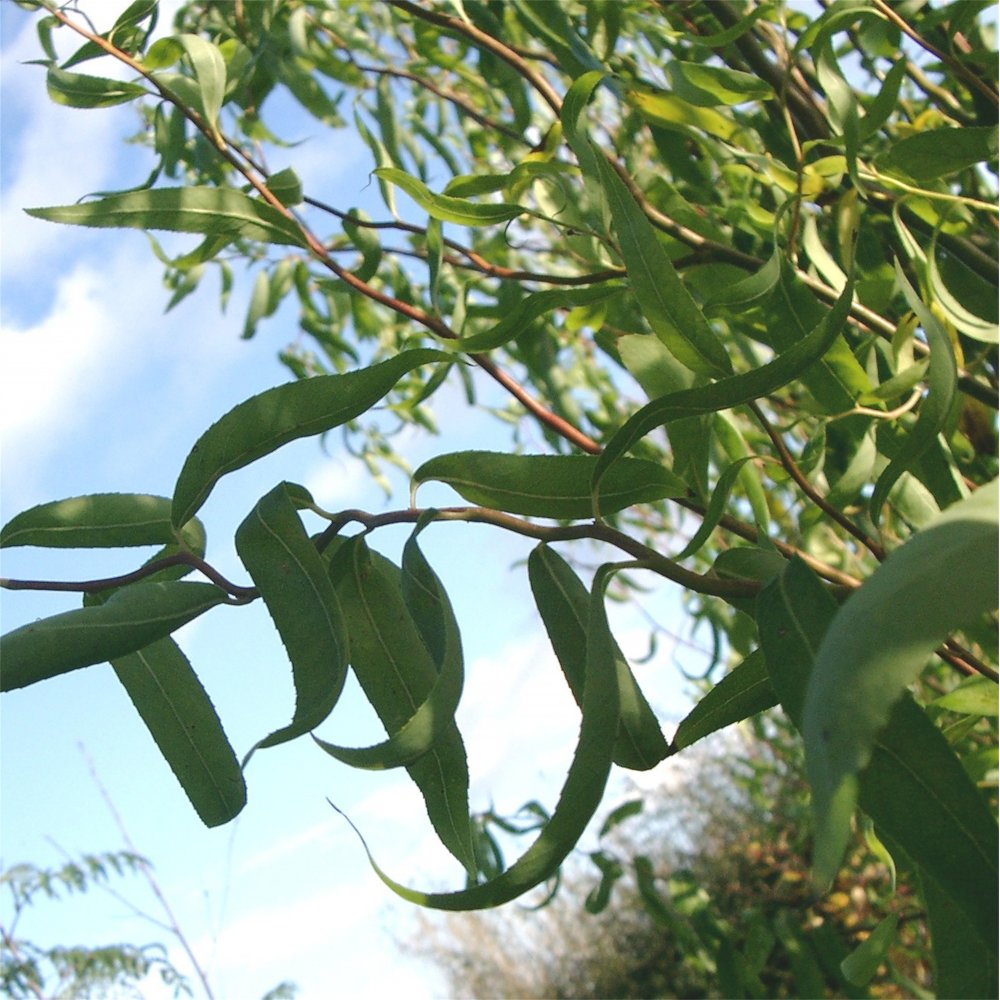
[77,90]
[446,208]
[211,211]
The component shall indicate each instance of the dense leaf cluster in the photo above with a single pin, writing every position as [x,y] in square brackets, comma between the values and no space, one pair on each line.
[735,266]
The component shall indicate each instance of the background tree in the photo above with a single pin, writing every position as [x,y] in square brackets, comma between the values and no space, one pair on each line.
[779,228]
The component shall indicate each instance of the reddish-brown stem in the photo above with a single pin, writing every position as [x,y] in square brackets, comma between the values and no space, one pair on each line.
[792,468]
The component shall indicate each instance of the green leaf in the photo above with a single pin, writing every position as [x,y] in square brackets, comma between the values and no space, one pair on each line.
[286,186]
[942,378]
[430,609]
[663,298]
[78,90]
[210,72]
[581,792]
[446,208]
[964,320]
[101,520]
[531,308]
[729,392]
[397,674]
[265,422]
[914,787]
[548,485]
[861,965]
[207,210]
[709,86]
[974,696]
[564,605]
[618,815]
[965,965]
[743,692]
[941,579]
[182,720]
[132,618]
[928,155]
[292,579]
[669,111]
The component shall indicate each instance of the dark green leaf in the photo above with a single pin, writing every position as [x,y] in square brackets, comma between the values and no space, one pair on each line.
[743,692]
[581,793]
[729,392]
[861,965]
[292,579]
[265,422]
[564,605]
[709,86]
[878,643]
[182,720]
[431,612]
[130,620]
[928,155]
[397,674]
[548,485]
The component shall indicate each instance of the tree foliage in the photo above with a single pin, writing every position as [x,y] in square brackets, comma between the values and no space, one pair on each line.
[735,266]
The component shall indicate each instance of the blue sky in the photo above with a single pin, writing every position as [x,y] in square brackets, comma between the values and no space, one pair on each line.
[102,392]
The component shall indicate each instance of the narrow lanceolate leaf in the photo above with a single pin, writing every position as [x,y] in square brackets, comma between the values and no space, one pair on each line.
[879,642]
[292,579]
[447,208]
[265,422]
[581,792]
[182,720]
[939,152]
[530,309]
[130,620]
[210,73]
[664,300]
[729,392]
[429,607]
[564,605]
[101,520]
[210,211]
[666,303]
[397,674]
[78,90]
[548,485]
[942,378]
[913,787]
[743,692]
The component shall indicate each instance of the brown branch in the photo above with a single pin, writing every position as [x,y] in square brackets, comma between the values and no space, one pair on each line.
[486,41]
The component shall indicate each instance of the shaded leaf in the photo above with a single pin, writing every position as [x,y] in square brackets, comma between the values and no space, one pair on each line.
[265,422]
[182,720]
[292,579]
[880,641]
[928,155]
[743,692]
[101,520]
[548,485]
[78,90]
[132,618]
[431,612]
[564,604]
[397,674]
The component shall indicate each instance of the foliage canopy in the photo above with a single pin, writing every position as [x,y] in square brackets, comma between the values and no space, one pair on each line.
[736,264]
